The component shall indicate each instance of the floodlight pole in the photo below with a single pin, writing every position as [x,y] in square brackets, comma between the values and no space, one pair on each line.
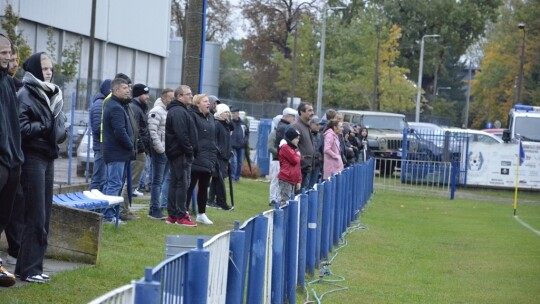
[419,93]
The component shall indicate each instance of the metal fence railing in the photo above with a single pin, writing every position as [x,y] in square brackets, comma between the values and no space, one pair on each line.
[266,258]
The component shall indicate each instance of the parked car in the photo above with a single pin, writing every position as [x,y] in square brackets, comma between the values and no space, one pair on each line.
[476,135]
[496,132]
[79,123]
[385,137]
[85,154]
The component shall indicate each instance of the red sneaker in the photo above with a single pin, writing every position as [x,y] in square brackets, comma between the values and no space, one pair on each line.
[170,220]
[186,221]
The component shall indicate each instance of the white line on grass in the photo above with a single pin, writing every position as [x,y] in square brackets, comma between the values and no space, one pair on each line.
[526,225]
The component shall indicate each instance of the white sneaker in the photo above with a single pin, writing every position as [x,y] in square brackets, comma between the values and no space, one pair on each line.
[137,193]
[202,218]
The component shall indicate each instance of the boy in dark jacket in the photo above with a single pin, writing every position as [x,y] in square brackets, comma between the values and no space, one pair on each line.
[290,172]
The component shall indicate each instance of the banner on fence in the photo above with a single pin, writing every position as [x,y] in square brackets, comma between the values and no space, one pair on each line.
[495,165]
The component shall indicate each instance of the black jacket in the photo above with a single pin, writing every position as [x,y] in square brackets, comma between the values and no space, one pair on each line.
[206,158]
[181,135]
[118,143]
[223,142]
[96,110]
[282,126]
[11,154]
[240,134]
[36,123]
[140,111]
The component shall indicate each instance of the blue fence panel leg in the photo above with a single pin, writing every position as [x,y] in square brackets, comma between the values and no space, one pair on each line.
[147,290]
[278,258]
[197,274]
[313,196]
[236,265]
[320,197]
[338,197]
[258,261]
[302,243]
[292,251]
[326,220]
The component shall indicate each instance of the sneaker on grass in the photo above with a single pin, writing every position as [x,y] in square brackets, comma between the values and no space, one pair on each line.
[202,218]
[170,220]
[37,278]
[186,221]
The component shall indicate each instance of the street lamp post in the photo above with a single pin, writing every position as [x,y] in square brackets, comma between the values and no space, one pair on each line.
[521,26]
[419,93]
[321,58]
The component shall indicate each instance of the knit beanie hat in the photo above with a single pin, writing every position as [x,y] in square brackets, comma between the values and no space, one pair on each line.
[33,65]
[291,134]
[140,89]
[221,108]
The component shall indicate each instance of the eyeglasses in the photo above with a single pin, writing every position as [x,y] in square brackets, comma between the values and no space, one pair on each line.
[187,94]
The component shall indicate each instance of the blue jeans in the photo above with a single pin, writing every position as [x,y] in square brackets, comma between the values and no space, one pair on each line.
[160,166]
[165,188]
[99,176]
[147,171]
[236,163]
[115,178]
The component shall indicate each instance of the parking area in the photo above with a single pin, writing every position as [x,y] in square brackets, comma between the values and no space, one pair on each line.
[61,169]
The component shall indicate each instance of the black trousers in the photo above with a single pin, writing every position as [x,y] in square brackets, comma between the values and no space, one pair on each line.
[37,184]
[180,180]
[9,182]
[203,178]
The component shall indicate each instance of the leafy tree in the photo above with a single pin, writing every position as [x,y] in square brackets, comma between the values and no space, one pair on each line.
[459,23]
[9,23]
[234,79]
[218,23]
[495,86]
[66,70]
[272,22]
[307,59]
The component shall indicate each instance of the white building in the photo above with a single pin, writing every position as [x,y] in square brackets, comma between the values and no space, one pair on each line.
[131,36]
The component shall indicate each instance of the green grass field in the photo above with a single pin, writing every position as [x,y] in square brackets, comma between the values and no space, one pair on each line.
[416,249]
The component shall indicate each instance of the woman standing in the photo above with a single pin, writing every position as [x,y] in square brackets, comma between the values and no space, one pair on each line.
[224,150]
[40,105]
[332,154]
[205,160]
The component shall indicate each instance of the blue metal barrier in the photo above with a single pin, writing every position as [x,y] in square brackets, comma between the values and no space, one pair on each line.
[302,234]
[302,237]
[312,229]
[147,290]
[197,274]
[234,281]
[278,257]
[257,261]
[292,251]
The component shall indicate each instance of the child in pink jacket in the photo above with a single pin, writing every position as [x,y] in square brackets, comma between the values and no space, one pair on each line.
[332,154]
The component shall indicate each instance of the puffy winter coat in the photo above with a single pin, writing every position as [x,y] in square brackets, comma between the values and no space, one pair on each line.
[289,164]
[180,133]
[206,158]
[118,143]
[157,117]
[95,113]
[332,154]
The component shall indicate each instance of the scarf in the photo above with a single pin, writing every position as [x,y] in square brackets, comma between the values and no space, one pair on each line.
[50,92]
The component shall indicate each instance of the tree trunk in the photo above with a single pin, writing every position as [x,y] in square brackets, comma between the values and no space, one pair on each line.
[193,40]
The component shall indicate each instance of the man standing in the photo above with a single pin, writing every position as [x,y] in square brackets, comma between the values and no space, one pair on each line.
[157,118]
[288,117]
[180,147]
[11,155]
[138,111]
[305,145]
[274,162]
[239,140]
[118,137]
[14,66]
[99,174]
